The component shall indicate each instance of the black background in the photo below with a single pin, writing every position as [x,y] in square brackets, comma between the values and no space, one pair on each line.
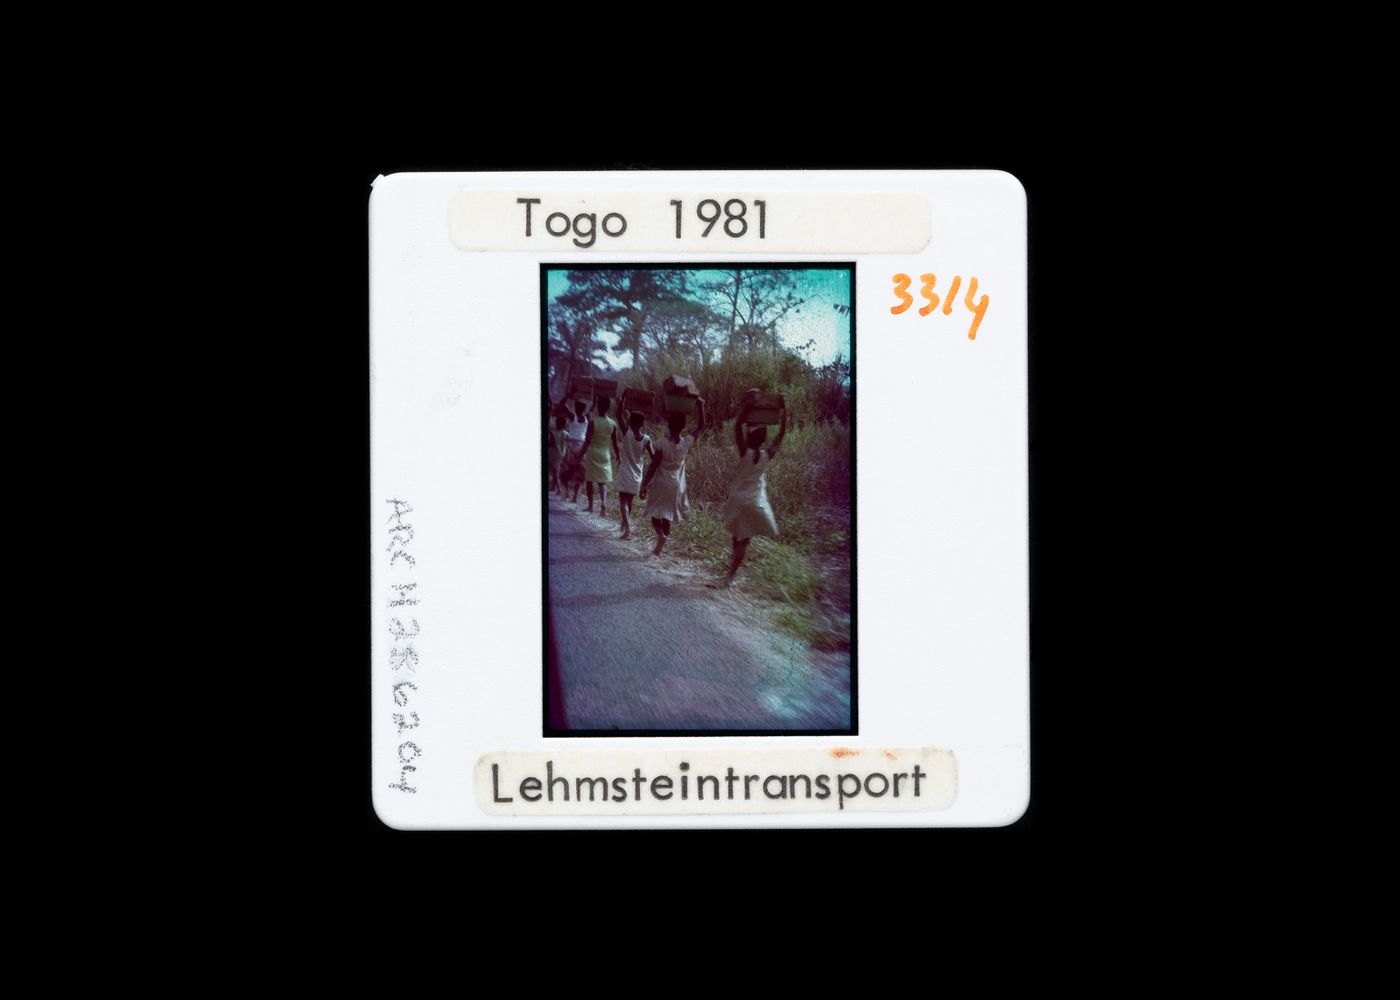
[319,357]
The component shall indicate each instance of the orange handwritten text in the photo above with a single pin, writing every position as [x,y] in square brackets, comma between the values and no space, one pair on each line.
[977,308]
[901,289]
[952,296]
[929,281]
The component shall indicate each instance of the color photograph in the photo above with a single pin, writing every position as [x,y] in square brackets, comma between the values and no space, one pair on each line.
[698,499]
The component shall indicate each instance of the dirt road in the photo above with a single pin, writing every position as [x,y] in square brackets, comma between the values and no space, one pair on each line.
[645,644]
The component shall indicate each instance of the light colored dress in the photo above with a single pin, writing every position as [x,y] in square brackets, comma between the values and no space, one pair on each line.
[747,512]
[556,449]
[665,492]
[571,468]
[574,430]
[629,470]
[599,464]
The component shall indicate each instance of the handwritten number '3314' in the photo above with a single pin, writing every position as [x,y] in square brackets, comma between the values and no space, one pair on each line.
[901,291]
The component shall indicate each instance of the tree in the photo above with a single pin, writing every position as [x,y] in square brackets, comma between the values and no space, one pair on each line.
[681,326]
[622,300]
[573,348]
[757,300]
[725,292]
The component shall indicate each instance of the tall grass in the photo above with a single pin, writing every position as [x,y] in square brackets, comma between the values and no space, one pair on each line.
[807,567]
[809,483]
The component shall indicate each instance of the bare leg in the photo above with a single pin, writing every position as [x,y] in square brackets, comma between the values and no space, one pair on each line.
[590,496]
[663,528]
[741,546]
[624,503]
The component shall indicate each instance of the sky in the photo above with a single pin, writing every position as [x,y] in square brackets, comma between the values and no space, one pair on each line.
[814,320]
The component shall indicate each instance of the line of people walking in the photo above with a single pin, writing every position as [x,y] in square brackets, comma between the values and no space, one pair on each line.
[591,450]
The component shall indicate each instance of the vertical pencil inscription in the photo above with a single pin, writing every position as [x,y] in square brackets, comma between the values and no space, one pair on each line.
[403,657]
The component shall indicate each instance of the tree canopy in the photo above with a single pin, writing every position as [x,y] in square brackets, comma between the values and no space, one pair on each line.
[724,332]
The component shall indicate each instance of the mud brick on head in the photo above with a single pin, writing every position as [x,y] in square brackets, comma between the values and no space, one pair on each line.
[604,388]
[581,387]
[680,394]
[679,385]
[767,408]
[639,401]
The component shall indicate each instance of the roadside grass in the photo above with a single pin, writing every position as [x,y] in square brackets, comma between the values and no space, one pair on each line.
[806,570]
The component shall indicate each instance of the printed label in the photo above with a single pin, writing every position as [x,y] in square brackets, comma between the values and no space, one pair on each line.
[671,782]
[720,223]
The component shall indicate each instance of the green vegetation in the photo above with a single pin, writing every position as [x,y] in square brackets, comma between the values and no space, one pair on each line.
[724,330]
[807,568]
